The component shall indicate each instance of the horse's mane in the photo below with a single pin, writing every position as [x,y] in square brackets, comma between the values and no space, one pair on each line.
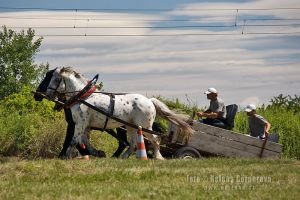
[67,70]
[70,70]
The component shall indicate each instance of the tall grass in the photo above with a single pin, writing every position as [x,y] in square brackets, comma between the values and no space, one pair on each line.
[32,129]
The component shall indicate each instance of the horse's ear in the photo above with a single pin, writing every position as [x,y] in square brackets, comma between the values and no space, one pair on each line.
[62,71]
[77,75]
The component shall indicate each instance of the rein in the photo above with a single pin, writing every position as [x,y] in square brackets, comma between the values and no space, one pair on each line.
[89,89]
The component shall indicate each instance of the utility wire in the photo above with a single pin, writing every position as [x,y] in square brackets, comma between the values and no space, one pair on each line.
[272,33]
[138,19]
[153,27]
[145,9]
[121,27]
[236,24]
[167,35]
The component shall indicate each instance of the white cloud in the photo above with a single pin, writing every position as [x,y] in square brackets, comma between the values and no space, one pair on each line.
[240,66]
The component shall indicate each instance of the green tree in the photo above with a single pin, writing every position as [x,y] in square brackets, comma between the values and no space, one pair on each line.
[17,68]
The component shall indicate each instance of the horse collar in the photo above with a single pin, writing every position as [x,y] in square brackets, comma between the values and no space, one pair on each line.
[87,91]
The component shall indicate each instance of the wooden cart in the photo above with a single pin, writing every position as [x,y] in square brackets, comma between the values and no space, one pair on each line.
[212,141]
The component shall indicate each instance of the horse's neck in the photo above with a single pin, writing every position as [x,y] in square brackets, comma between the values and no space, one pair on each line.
[74,85]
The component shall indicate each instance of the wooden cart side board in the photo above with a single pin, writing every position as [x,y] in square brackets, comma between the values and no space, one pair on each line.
[220,146]
[237,137]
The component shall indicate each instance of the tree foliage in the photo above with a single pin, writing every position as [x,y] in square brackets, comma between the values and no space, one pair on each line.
[287,102]
[17,68]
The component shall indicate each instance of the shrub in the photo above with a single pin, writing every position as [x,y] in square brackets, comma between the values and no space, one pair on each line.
[29,128]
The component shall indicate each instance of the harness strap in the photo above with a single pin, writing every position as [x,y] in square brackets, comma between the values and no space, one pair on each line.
[112,108]
[80,96]
[89,89]
[111,93]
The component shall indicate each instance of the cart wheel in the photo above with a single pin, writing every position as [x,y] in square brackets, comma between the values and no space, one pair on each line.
[187,153]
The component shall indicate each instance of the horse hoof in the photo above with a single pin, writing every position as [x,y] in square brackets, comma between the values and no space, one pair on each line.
[125,156]
[63,157]
[85,157]
[160,158]
[100,154]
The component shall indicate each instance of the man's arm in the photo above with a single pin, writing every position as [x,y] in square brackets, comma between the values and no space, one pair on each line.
[263,122]
[202,114]
[211,115]
[217,108]
[207,111]
[267,129]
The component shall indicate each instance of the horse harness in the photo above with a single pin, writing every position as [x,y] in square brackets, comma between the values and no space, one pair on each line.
[88,90]
[112,108]
[81,97]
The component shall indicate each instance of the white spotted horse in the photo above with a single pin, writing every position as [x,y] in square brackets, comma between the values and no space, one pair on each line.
[120,133]
[134,109]
[89,150]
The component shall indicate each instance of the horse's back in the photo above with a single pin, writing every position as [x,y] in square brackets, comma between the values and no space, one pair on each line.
[133,102]
[136,108]
[132,108]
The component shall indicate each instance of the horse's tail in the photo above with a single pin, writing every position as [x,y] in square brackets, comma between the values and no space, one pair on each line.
[163,111]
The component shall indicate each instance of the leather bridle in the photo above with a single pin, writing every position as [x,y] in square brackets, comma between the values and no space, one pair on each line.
[56,93]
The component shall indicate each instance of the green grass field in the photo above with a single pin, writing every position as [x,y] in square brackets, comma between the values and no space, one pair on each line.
[135,179]
[33,132]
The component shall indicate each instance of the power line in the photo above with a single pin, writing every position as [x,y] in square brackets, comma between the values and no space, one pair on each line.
[145,9]
[133,35]
[123,27]
[270,19]
[139,19]
[154,27]
[272,33]
[88,18]
[224,25]
[168,35]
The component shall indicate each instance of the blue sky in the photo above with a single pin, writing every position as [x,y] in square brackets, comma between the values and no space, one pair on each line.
[244,68]
[104,3]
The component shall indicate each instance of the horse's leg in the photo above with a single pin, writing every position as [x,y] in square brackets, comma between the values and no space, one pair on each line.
[77,138]
[87,148]
[69,133]
[132,135]
[68,139]
[122,141]
[155,143]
